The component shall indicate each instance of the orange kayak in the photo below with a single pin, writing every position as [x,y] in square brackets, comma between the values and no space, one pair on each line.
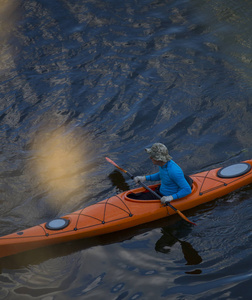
[120,212]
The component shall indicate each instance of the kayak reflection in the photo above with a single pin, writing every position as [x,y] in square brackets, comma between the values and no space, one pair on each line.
[167,240]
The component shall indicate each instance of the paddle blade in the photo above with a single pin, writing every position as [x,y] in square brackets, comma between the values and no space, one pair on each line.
[184,217]
[114,164]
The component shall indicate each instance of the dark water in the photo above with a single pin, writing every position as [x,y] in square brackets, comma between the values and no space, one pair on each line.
[81,80]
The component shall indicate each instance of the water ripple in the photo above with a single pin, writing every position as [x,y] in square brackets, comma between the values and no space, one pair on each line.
[110,78]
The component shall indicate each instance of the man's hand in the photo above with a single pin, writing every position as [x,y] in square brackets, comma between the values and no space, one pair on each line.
[139,179]
[166,199]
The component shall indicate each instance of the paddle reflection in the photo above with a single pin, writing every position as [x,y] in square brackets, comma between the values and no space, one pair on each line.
[118,181]
[165,243]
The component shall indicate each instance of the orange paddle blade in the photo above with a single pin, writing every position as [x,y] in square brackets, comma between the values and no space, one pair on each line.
[184,217]
[113,163]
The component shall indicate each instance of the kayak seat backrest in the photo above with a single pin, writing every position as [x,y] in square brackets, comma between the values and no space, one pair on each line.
[189,180]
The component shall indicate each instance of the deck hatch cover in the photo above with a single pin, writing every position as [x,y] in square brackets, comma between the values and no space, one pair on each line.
[234,170]
[57,224]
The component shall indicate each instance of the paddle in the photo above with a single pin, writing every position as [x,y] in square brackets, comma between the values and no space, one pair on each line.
[150,190]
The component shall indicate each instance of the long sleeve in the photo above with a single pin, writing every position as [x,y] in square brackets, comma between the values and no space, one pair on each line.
[153,177]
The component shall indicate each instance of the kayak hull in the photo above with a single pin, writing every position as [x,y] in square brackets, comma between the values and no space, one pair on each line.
[120,212]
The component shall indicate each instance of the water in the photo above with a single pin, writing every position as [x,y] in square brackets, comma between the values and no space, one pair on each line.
[81,80]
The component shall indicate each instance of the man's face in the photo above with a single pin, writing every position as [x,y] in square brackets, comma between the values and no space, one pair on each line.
[155,162]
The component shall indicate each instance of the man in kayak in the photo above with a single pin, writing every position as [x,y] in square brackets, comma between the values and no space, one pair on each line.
[174,184]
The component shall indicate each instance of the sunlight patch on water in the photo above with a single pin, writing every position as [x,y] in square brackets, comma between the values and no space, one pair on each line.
[57,163]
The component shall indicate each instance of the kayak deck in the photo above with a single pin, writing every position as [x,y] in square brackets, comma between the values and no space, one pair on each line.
[120,212]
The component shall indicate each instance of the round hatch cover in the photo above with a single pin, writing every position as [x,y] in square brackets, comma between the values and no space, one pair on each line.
[57,224]
[234,170]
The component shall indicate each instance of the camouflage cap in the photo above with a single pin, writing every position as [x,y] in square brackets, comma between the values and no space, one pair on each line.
[159,152]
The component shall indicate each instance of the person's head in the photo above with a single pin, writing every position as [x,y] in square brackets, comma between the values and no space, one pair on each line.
[158,154]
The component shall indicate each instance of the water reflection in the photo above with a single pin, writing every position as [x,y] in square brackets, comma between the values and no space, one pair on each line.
[8,16]
[168,239]
[165,243]
[118,181]
[58,162]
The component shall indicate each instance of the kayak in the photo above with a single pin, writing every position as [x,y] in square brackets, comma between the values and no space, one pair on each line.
[121,212]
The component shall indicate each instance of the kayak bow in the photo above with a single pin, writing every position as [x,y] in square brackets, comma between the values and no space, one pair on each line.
[121,212]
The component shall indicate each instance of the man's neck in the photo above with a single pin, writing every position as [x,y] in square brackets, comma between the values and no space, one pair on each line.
[161,163]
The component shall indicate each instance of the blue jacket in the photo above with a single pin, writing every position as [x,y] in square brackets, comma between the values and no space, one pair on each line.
[173,182]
